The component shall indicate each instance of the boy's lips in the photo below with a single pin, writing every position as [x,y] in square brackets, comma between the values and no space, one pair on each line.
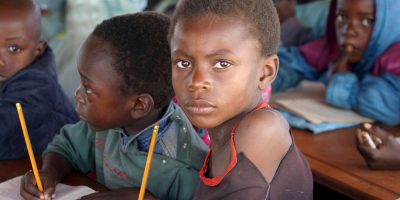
[199,107]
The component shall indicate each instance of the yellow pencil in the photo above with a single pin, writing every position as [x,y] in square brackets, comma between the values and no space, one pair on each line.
[29,147]
[148,162]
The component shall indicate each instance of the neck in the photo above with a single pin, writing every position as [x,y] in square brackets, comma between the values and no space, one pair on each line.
[220,135]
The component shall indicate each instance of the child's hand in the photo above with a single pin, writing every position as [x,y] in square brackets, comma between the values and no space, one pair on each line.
[386,155]
[29,189]
[120,194]
[342,64]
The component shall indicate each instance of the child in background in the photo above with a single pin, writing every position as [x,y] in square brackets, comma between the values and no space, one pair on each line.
[125,90]
[358,59]
[293,32]
[28,76]
[223,55]
[313,14]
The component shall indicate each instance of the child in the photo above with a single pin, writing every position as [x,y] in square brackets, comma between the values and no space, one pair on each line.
[28,76]
[293,32]
[125,90]
[357,59]
[223,55]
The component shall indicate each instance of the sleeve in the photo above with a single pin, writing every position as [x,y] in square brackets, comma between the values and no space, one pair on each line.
[185,184]
[293,68]
[41,120]
[374,97]
[76,144]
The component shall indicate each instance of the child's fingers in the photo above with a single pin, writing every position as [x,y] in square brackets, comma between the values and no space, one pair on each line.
[368,153]
[49,193]
[383,135]
[28,188]
[365,139]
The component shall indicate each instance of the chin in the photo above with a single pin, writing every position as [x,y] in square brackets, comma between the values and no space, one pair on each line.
[203,122]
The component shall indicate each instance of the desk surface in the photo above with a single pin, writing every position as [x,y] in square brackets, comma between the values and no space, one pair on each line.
[336,164]
[12,168]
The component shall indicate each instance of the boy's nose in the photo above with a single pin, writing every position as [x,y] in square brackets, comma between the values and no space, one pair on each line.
[78,95]
[351,29]
[199,79]
[2,63]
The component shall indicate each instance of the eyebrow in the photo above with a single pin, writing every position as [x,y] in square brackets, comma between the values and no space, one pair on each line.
[219,53]
[15,38]
[361,13]
[212,54]
[85,77]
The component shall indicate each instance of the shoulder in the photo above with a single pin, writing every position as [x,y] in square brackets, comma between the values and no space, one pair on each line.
[262,126]
[389,61]
[263,136]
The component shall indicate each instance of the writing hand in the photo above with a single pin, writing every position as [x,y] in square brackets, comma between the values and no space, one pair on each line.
[29,189]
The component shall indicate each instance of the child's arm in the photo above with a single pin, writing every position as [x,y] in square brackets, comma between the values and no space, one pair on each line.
[292,69]
[263,136]
[374,97]
[76,143]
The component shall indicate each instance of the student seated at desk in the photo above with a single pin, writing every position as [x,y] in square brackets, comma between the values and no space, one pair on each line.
[223,56]
[28,76]
[358,59]
[125,70]
[384,154]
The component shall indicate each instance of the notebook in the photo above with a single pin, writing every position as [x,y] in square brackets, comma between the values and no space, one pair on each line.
[307,101]
[9,190]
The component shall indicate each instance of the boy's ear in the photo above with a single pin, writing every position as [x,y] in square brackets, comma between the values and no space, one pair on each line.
[40,48]
[268,71]
[142,105]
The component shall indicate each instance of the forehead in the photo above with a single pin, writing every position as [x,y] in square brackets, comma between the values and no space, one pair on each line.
[19,21]
[363,6]
[213,31]
[95,61]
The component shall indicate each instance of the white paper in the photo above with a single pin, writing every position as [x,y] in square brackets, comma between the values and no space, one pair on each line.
[9,190]
[307,101]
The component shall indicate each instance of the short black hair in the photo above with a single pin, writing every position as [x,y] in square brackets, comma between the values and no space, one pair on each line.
[141,53]
[260,15]
[32,7]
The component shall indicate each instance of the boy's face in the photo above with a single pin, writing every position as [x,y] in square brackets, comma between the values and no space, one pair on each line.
[99,99]
[19,40]
[215,67]
[354,24]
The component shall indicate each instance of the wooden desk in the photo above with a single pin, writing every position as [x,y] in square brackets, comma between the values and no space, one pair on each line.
[12,168]
[336,164]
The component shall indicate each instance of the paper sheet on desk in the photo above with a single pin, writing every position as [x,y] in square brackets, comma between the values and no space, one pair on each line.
[316,111]
[9,190]
[307,101]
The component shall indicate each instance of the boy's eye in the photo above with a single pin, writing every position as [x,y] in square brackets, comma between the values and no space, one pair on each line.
[367,22]
[222,64]
[340,18]
[87,89]
[183,64]
[14,49]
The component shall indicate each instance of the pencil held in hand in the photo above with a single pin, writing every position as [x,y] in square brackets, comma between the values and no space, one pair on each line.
[148,162]
[29,147]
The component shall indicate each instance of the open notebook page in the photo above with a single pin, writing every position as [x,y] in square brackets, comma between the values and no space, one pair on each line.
[307,101]
[9,190]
